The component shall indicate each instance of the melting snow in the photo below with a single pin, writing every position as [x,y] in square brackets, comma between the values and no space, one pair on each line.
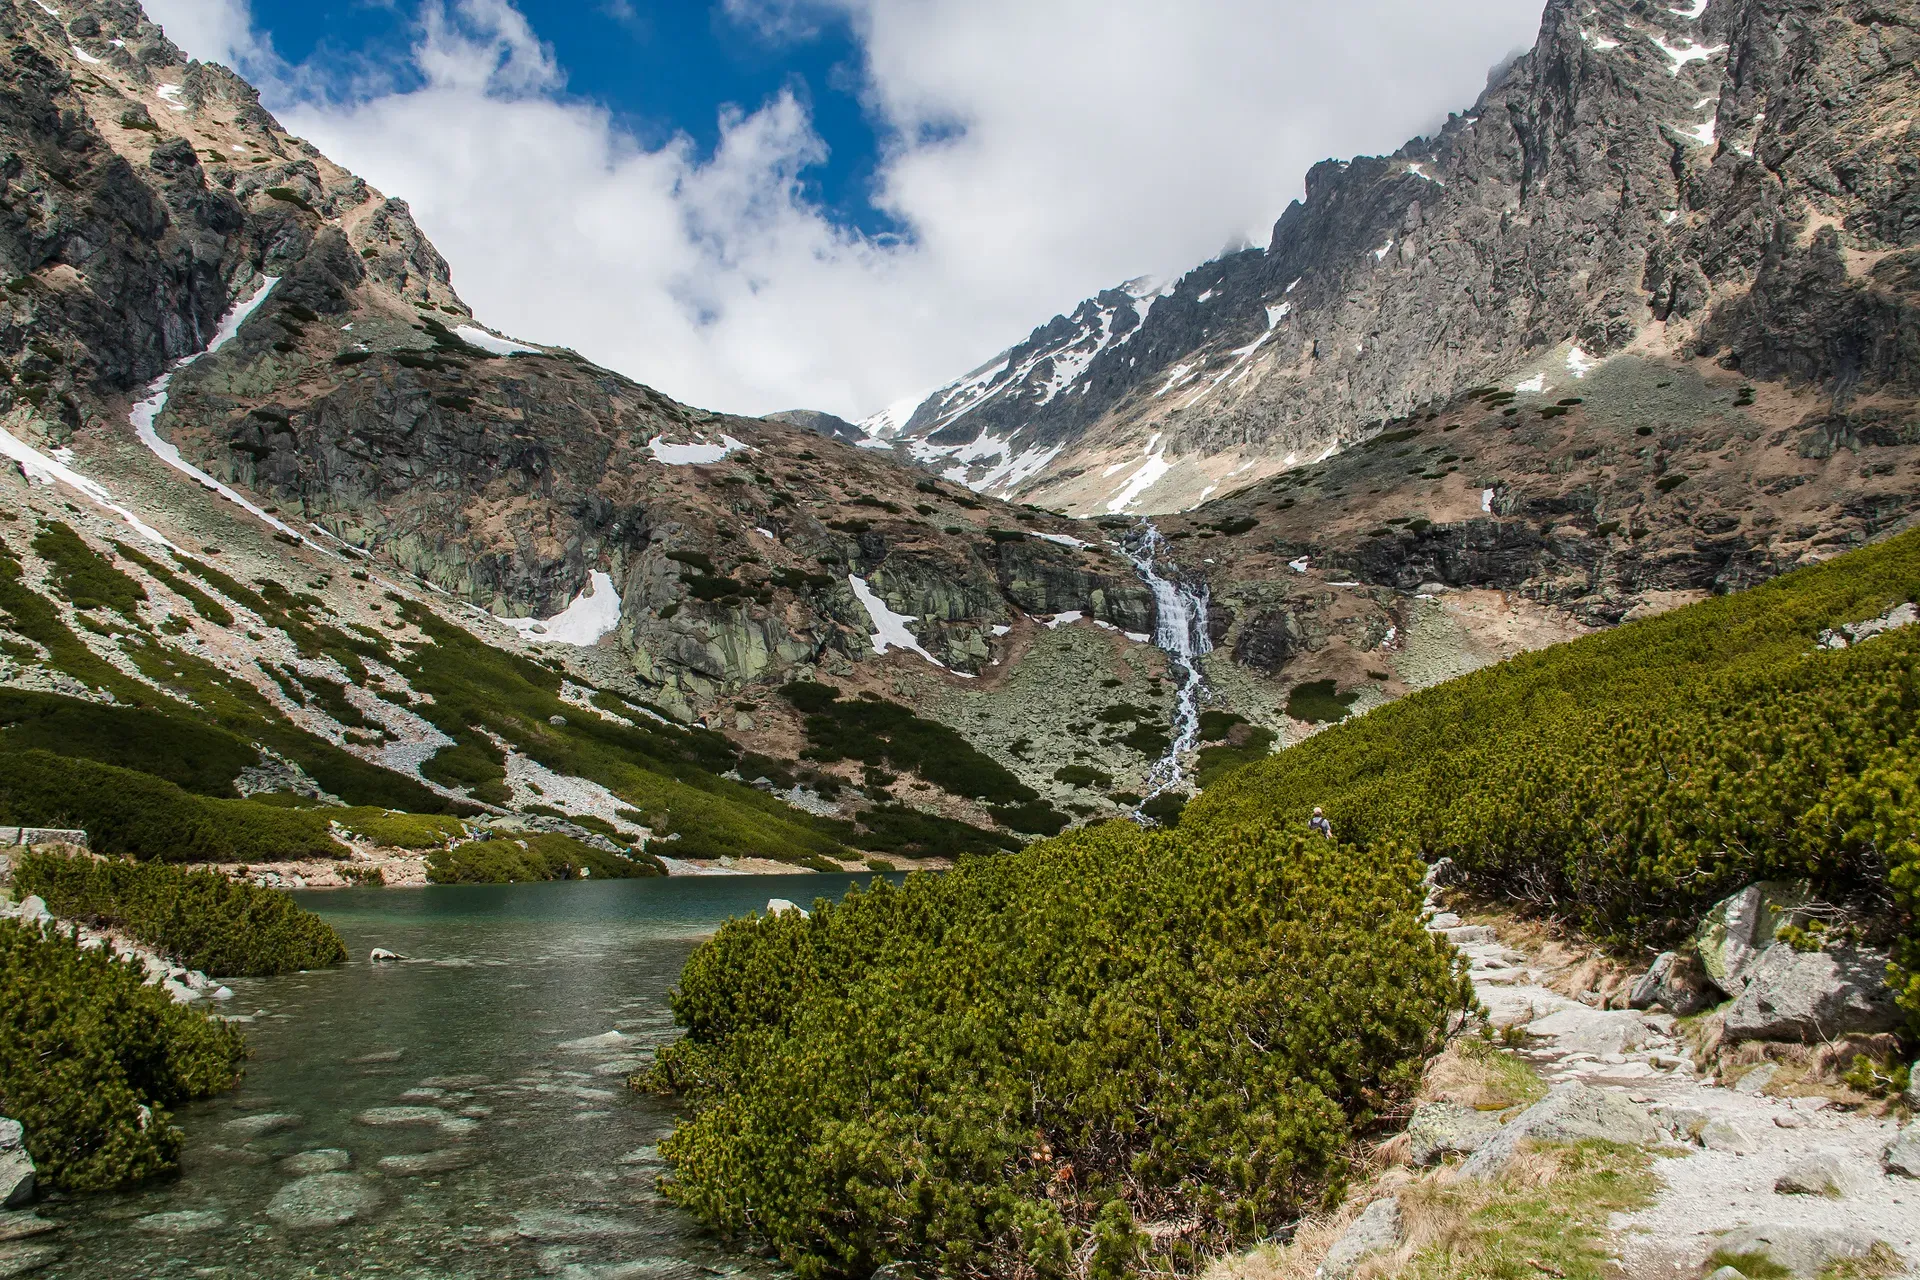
[1580,364]
[1380,254]
[893,419]
[84,56]
[1064,540]
[1059,620]
[1295,284]
[1701,133]
[1181,373]
[696,454]
[874,442]
[1419,170]
[1001,629]
[1276,314]
[1205,296]
[889,628]
[1139,482]
[38,467]
[1535,385]
[1330,450]
[593,613]
[1601,43]
[765,533]
[1691,14]
[170,94]
[1686,51]
[493,342]
[1669,216]
[1486,500]
[47,9]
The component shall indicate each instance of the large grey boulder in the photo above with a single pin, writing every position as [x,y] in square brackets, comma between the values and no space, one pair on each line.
[16,1166]
[1805,1251]
[1813,995]
[1571,1112]
[1675,983]
[1818,1173]
[1731,937]
[1375,1231]
[1441,1129]
[1902,1155]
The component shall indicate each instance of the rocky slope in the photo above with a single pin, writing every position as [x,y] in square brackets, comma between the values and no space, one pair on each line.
[1725,186]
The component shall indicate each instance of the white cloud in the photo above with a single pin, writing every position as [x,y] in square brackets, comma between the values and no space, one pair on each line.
[1037,152]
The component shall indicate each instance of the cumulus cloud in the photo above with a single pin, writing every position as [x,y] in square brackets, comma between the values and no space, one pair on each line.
[1036,153]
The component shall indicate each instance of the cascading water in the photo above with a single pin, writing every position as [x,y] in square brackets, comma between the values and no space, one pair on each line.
[1181,633]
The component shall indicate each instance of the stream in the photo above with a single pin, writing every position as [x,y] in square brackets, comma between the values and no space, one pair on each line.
[1180,631]
[461,1115]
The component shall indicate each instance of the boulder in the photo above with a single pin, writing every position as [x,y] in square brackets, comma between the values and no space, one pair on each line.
[16,1166]
[1675,983]
[1466,935]
[1902,1156]
[322,1200]
[1731,937]
[1912,1095]
[247,1128]
[1721,1134]
[1813,995]
[380,955]
[1805,1251]
[393,1117]
[1440,874]
[1441,1129]
[1571,1112]
[1818,1173]
[33,910]
[781,906]
[1375,1231]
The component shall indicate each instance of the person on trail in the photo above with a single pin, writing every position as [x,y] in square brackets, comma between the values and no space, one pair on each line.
[1319,823]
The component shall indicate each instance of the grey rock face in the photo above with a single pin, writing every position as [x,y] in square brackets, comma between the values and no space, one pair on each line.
[1902,1155]
[1673,982]
[1571,1112]
[1732,935]
[1375,1231]
[1441,1129]
[1579,1029]
[1794,995]
[1805,1251]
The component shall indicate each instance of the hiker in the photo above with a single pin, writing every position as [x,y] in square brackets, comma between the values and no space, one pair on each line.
[1319,823]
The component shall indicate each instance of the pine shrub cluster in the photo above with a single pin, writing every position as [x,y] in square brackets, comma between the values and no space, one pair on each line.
[1017,1068]
[90,1061]
[223,927]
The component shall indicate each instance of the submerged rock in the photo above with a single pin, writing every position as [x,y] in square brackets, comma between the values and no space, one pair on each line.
[247,1128]
[323,1200]
[388,1117]
[428,1162]
[181,1222]
[321,1160]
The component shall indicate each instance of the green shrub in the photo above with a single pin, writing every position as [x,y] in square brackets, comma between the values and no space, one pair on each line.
[82,575]
[1035,818]
[1083,776]
[912,834]
[223,927]
[543,856]
[1319,702]
[203,604]
[393,830]
[1216,725]
[189,753]
[149,818]
[91,1060]
[877,732]
[1000,1070]
[1214,763]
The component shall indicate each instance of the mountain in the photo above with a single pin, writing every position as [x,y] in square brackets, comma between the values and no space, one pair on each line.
[1723,187]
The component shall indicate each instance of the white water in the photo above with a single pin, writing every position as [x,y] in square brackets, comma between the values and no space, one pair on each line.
[1180,631]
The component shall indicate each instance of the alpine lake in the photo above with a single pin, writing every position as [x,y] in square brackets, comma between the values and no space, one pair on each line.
[462,1113]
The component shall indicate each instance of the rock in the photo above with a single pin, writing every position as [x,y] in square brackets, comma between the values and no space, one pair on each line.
[247,1128]
[1444,920]
[1467,934]
[1440,1129]
[320,1160]
[1579,1029]
[16,1166]
[1813,995]
[1818,1173]
[33,910]
[780,907]
[390,1117]
[606,1040]
[1726,1273]
[1912,1095]
[1805,1251]
[1440,874]
[181,1222]
[556,1225]
[1757,1080]
[1375,1231]
[380,955]
[1675,983]
[181,993]
[1902,1155]
[20,1259]
[322,1200]
[220,993]
[1686,1122]
[1721,1134]
[428,1162]
[1732,935]
[1571,1112]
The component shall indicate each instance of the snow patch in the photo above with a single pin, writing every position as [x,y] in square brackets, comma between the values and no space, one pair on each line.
[1693,13]
[1063,539]
[1295,284]
[1139,482]
[1000,629]
[85,57]
[1704,134]
[170,94]
[1536,385]
[1181,373]
[494,342]
[1419,170]
[874,442]
[1059,620]
[1686,51]
[1205,297]
[889,628]
[697,453]
[593,613]
[1599,43]
[1300,565]
[1276,314]
[39,468]
[1486,500]
[1580,364]
[1380,254]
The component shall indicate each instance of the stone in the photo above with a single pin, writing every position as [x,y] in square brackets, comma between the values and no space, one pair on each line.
[24,1226]
[1376,1230]
[1722,1134]
[16,1166]
[247,1128]
[1813,995]
[1675,983]
[1685,1122]
[1818,1173]
[1902,1155]
[1440,1129]
[33,910]
[548,1224]
[1579,1029]
[781,906]
[1468,934]
[323,1200]
[1440,874]
[21,1259]
[1444,920]
[181,1222]
[1757,1080]
[319,1160]
[1912,1095]
[1805,1251]
[1726,1273]
[380,955]
[428,1162]
[1571,1112]
[390,1117]
[1732,935]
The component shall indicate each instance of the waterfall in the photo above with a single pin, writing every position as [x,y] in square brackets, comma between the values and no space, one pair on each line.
[1181,633]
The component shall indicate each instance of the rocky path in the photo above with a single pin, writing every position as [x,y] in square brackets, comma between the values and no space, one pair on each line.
[1743,1171]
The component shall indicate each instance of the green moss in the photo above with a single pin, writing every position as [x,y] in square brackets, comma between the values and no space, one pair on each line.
[91,1061]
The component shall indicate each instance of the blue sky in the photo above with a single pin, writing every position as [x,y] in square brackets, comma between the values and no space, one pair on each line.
[862,206]
[661,68]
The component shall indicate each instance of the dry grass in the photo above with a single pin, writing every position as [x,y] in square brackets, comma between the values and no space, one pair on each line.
[1480,1076]
[1811,1070]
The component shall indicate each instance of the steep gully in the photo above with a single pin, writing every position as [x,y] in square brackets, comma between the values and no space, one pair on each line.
[1180,631]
